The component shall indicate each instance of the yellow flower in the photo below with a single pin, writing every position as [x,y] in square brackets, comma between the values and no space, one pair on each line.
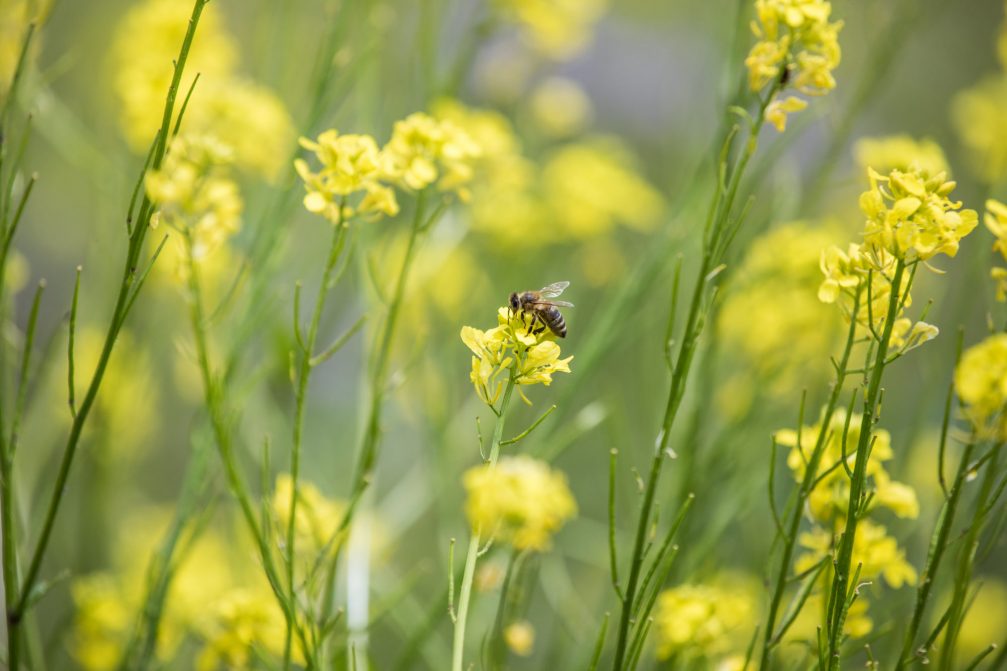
[318,518]
[701,620]
[519,501]
[981,384]
[910,216]
[424,150]
[512,348]
[900,152]
[102,619]
[15,16]
[520,637]
[239,627]
[352,166]
[996,221]
[828,500]
[777,111]
[560,107]
[999,276]
[977,115]
[557,28]
[195,194]
[874,551]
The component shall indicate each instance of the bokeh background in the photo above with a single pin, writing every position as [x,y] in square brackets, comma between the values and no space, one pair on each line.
[613,130]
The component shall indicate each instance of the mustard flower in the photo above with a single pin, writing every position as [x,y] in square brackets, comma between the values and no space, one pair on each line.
[519,501]
[240,627]
[103,617]
[194,193]
[828,500]
[557,28]
[512,348]
[996,221]
[877,554]
[981,384]
[318,518]
[424,150]
[520,637]
[910,216]
[352,167]
[798,47]
[900,152]
[701,620]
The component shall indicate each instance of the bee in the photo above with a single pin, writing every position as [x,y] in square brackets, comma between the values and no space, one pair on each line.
[543,310]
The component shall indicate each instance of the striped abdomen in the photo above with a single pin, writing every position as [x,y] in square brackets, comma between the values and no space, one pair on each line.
[553,318]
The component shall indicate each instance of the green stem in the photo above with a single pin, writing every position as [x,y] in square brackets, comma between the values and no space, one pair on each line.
[119,313]
[806,486]
[966,562]
[472,556]
[858,482]
[307,353]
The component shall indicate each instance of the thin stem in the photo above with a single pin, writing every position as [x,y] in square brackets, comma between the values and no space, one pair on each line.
[857,484]
[472,556]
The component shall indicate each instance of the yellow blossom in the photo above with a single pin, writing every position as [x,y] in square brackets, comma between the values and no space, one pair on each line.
[999,277]
[424,150]
[519,501]
[557,28]
[512,348]
[900,152]
[910,216]
[701,620]
[15,16]
[241,625]
[977,115]
[520,637]
[874,551]
[777,111]
[318,518]
[103,616]
[996,221]
[560,107]
[981,384]
[352,167]
[195,195]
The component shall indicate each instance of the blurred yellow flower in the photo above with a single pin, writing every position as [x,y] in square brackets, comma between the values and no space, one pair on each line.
[560,107]
[981,384]
[239,627]
[900,152]
[196,196]
[557,28]
[318,518]
[519,501]
[520,637]
[352,166]
[103,615]
[703,620]
[796,333]
[874,551]
[512,348]
[424,150]
[15,16]
[996,221]
[978,116]
[910,216]
[245,116]
[777,111]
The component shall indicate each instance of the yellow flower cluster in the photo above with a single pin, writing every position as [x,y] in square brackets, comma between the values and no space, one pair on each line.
[512,350]
[981,384]
[352,165]
[792,329]
[196,196]
[703,620]
[829,498]
[318,518]
[239,627]
[900,152]
[871,274]
[356,175]
[797,48]
[519,501]
[910,216]
[557,28]
[996,221]
[244,116]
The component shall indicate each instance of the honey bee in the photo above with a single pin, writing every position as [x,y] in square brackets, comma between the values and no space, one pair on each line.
[543,310]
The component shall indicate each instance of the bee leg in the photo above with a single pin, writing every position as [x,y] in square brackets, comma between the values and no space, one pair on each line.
[541,328]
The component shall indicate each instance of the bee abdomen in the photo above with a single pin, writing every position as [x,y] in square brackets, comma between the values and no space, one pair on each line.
[554,318]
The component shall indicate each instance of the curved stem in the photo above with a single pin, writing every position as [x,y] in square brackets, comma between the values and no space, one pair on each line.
[472,556]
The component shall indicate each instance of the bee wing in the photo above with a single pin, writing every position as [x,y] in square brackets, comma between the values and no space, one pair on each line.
[554,289]
[558,304]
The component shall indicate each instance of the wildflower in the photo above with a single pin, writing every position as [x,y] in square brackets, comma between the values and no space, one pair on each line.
[874,551]
[519,501]
[194,194]
[828,500]
[560,107]
[996,221]
[557,28]
[900,152]
[701,620]
[977,115]
[243,622]
[513,348]
[318,518]
[910,216]
[797,47]
[424,150]
[103,617]
[999,276]
[520,637]
[352,166]
[981,384]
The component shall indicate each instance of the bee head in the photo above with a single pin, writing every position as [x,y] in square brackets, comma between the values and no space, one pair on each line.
[515,302]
